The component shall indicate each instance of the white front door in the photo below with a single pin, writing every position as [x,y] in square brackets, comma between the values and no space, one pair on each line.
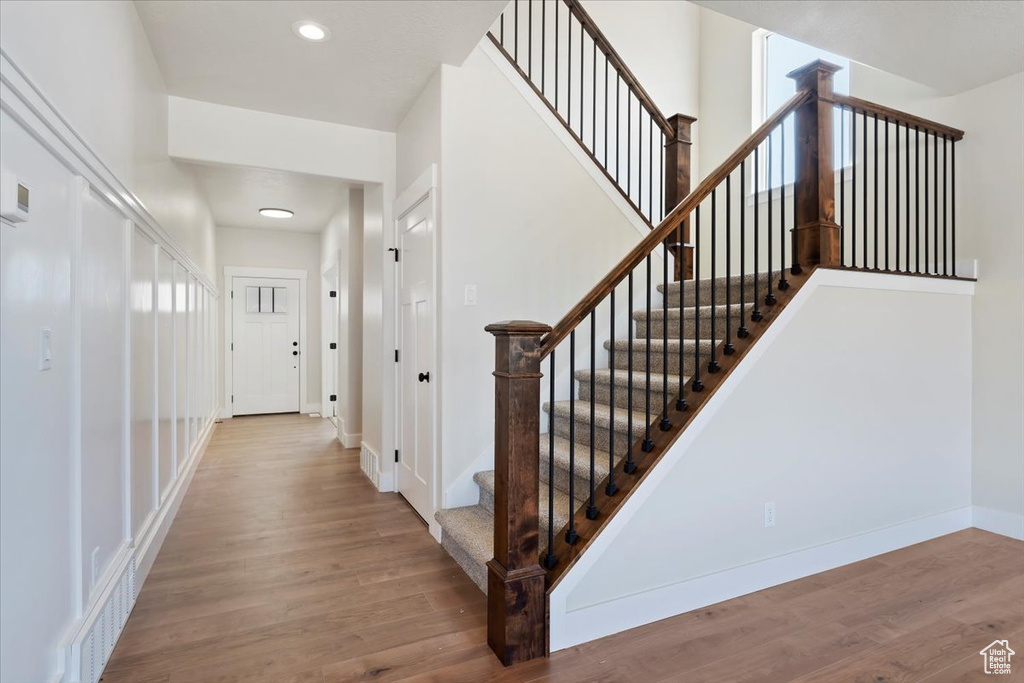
[416,374]
[265,345]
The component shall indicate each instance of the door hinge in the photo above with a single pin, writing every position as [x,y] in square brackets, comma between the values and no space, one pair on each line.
[396,455]
[232,294]
[334,397]
[333,294]
[396,355]
[394,249]
[232,398]
[334,345]
[232,346]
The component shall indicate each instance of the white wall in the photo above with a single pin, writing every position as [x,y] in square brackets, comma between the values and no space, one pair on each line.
[990,165]
[247,248]
[419,135]
[533,233]
[88,492]
[857,455]
[341,247]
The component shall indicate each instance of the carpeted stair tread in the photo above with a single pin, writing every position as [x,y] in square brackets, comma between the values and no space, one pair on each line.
[468,536]
[604,377]
[485,480]
[603,414]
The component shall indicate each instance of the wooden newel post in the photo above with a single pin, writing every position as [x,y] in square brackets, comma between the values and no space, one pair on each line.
[816,238]
[677,186]
[516,611]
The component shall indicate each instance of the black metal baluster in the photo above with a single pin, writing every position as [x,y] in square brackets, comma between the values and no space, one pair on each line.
[593,101]
[896,186]
[769,298]
[570,535]
[515,34]
[875,263]
[661,177]
[729,349]
[906,181]
[556,54]
[591,508]
[583,87]
[783,283]
[935,199]
[917,199]
[549,560]
[639,157]
[756,315]
[606,112]
[501,29]
[680,402]
[713,354]
[952,204]
[610,488]
[543,43]
[529,40]
[630,466]
[666,424]
[650,166]
[648,444]
[743,332]
[629,143]
[842,184]
[864,144]
[945,203]
[853,188]
[695,383]
[926,204]
[618,112]
[568,71]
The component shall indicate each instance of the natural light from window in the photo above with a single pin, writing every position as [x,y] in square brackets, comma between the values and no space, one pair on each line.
[782,55]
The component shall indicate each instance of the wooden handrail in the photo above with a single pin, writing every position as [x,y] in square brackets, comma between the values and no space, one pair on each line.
[895,115]
[668,226]
[628,78]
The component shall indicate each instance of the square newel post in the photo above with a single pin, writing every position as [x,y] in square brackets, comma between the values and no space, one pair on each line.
[677,186]
[516,610]
[816,236]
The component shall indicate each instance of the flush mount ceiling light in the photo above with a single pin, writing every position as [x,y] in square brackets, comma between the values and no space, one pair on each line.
[277,213]
[312,31]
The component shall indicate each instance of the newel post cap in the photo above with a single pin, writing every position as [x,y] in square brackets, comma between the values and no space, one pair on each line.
[819,66]
[518,328]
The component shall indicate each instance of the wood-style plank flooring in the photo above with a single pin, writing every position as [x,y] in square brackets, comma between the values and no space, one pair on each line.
[285,565]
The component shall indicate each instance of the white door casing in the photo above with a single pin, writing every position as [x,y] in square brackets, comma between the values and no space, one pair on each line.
[265,338]
[416,467]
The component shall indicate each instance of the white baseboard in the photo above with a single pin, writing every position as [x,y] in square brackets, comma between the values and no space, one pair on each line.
[998,522]
[348,440]
[589,623]
[92,638]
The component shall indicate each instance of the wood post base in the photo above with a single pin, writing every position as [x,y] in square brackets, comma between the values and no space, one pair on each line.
[817,244]
[516,613]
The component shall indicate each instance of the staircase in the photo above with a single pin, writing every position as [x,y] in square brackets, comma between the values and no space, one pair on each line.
[468,532]
[738,249]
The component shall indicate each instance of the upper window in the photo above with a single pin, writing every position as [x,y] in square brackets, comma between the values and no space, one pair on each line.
[780,56]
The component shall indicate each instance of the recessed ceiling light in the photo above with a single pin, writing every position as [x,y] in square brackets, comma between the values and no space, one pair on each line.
[310,30]
[277,213]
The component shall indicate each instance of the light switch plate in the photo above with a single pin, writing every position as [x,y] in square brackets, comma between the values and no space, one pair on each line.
[471,295]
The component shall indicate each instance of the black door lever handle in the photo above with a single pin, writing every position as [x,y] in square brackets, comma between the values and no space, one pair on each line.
[424,376]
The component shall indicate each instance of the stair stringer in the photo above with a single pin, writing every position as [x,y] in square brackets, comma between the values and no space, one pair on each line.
[571,625]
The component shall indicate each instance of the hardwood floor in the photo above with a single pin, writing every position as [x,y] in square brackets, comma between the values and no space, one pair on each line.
[285,565]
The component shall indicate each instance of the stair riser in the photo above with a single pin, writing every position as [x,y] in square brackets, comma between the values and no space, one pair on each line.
[657,361]
[690,330]
[487,502]
[602,391]
[601,440]
[562,479]
[704,298]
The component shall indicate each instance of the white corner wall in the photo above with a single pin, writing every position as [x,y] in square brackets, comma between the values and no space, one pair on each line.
[115,261]
[856,430]
[990,176]
[277,249]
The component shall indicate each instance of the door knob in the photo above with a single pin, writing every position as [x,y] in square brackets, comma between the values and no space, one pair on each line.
[424,376]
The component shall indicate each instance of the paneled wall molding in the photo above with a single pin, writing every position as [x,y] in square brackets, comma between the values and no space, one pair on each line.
[138,351]
[30,107]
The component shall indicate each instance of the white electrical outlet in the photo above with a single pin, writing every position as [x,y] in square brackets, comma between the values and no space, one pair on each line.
[470,295]
[769,514]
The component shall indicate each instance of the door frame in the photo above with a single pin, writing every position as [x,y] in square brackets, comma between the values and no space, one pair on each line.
[231,272]
[424,188]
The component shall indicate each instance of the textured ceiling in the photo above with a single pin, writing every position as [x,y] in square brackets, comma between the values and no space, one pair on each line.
[379,57]
[949,45]
[235,195]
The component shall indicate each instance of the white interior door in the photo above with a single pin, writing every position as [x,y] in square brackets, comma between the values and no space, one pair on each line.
[415,334]
[265,345]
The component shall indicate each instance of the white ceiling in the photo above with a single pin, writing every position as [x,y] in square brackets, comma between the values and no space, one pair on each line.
[949,45]
[235,195]
[379,57]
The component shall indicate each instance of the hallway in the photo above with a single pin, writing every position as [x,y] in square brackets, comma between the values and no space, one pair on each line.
[285,565]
